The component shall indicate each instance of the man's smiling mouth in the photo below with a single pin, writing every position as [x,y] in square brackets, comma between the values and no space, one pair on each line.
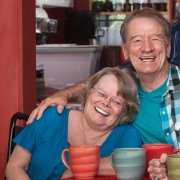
[147,58]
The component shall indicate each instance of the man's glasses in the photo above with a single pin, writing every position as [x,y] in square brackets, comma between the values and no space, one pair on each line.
[115,101]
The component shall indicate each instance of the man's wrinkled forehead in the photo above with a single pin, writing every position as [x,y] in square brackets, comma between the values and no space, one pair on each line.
[137,25]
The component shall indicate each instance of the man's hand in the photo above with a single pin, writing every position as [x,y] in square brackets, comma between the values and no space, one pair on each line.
[157,168]
[58,99]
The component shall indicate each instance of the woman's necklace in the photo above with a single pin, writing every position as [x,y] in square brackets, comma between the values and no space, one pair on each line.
[97,141]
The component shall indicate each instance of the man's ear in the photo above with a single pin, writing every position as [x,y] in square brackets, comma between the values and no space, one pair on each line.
[168,50]
[124,51]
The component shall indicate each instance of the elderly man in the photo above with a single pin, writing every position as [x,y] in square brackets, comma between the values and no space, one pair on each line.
[146,42]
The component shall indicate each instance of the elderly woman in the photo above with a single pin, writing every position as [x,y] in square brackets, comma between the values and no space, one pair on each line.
[109,104]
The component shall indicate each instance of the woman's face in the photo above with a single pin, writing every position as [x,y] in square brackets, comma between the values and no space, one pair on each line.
[103,106]
[146,46]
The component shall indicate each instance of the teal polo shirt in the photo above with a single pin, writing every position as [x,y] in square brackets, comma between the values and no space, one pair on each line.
[148,120]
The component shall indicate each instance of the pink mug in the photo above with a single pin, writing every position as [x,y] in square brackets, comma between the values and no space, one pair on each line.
[154,151]
[83,161]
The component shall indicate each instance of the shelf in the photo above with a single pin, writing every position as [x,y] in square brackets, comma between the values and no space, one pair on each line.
[113,13]
[121,13]
[169,14]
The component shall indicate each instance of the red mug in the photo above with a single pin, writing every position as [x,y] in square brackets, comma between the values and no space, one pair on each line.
[154,151]
[83,161]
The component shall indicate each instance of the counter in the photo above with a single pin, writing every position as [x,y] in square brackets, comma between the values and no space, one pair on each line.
[67,48]
[66,64]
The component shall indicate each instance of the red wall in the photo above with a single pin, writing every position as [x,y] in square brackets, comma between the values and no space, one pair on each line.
[17,69]
[18,65]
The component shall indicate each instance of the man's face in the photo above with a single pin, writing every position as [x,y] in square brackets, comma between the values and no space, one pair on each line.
[146,46]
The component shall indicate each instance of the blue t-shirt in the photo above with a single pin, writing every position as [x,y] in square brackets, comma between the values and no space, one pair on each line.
[45,140]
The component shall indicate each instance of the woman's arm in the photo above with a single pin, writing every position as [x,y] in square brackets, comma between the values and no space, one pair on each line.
[105,167]
[18,164]
[67,174]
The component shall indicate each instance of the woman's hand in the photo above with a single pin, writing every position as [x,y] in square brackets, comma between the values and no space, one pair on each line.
[18,164]
[105,167]
[67,174]
[157,168]
[59,99]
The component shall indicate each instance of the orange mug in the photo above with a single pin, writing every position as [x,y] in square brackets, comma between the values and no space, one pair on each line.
[154,151]
[83,161]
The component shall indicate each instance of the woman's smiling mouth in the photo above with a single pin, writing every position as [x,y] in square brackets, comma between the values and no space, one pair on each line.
[101,111]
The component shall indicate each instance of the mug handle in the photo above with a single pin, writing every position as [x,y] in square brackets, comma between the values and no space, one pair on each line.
[112,160]
[63,157]
[176,151]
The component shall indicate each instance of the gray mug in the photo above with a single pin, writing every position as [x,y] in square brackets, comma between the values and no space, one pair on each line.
[128,163]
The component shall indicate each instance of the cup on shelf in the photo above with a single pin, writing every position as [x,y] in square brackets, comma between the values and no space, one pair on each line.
[94,41]
[97,6]
[155,5]
[162,6]
[127,6]
[108,6]
[144,5]
[136,6]
[104,38]
[118,7]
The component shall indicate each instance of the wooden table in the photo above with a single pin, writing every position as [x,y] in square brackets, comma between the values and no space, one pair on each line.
[98,178]
[105,178]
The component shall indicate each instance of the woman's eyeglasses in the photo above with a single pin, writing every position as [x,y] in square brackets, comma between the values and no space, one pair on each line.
[102,95]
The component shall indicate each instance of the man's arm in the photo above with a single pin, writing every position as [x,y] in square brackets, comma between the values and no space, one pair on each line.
[59,99]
